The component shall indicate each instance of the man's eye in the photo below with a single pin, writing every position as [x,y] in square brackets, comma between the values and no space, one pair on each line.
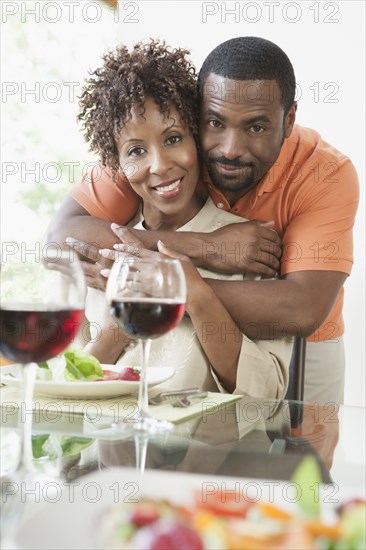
[136,152]
[256,129]
[172,140]
[214,123]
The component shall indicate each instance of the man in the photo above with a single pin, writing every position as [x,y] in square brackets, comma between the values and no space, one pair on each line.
[262,166]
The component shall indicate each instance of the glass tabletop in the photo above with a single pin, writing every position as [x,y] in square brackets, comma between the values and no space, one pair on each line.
[251,438]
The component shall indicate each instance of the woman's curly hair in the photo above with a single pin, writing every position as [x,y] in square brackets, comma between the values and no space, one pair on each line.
[127,79]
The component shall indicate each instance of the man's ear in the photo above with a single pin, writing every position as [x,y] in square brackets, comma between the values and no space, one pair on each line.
[290,119]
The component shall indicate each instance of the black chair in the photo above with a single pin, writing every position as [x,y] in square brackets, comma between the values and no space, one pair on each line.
[294,447]
[295,390]
[294,394]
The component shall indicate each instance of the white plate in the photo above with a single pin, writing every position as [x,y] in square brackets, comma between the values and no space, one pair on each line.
[68,519]
[72,519]
[87,390]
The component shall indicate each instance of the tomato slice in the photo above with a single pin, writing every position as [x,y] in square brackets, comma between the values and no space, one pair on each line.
[224,503]
[110,375]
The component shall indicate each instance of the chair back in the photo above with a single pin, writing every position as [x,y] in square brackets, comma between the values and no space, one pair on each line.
[295,390]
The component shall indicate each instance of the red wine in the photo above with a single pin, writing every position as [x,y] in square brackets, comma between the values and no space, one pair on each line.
[147,319]
[28,335]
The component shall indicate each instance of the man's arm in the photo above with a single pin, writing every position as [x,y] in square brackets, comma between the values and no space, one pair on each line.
[73,220]
[293,306]
[248,247]
[259,252]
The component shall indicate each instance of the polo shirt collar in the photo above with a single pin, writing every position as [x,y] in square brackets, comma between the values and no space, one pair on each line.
[216,195]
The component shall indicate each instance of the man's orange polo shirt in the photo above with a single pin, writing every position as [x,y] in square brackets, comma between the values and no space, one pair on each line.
[311,193]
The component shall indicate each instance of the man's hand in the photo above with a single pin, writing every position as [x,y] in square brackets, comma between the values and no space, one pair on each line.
[92,263]
[248,247]
[252,247]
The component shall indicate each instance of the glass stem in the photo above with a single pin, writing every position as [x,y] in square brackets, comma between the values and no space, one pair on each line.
[141,442]
[25,416]
[143,391]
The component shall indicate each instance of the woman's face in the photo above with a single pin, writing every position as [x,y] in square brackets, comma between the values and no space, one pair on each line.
[159,157]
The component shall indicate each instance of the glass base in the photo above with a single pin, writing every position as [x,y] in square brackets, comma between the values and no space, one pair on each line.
[142,430]
[144,425]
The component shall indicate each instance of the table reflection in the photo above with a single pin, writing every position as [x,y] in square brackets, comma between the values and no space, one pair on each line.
[250,438]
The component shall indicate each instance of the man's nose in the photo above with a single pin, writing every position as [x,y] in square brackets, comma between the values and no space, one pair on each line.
[233,144]
[160,162]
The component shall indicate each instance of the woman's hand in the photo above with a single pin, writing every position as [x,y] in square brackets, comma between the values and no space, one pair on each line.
[129,247]
[195,284]
[92,263]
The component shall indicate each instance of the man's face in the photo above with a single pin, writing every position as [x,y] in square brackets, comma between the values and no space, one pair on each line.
[242,131]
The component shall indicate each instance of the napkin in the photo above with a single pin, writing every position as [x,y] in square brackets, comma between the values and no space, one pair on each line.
[117,409]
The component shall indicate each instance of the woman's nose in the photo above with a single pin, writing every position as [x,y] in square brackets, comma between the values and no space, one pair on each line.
[160,162]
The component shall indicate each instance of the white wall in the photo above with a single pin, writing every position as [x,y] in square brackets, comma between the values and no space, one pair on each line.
[324,40]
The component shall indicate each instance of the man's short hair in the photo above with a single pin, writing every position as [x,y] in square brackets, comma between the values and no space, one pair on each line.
[251,58]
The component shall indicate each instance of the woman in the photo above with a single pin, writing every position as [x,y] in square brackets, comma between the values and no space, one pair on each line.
[139,113]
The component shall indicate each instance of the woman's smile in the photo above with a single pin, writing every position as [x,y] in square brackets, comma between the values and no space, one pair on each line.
[169,190]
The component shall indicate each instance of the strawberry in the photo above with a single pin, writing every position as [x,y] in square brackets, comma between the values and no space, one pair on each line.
[144,514]
[168,536]
[130,373]
[175,537]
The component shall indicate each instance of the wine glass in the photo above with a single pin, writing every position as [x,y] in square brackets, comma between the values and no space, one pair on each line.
[42,304]
[147,298]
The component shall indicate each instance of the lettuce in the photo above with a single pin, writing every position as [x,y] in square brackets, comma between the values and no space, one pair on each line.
[55,446]
[353,523]
[75,365]
[308,478]
[82,366]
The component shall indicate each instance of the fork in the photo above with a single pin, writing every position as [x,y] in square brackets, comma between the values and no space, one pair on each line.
[167,395]
[182,401]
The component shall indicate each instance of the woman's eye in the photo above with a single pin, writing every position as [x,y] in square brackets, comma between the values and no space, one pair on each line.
[136,152]
[172,140]
[214,123]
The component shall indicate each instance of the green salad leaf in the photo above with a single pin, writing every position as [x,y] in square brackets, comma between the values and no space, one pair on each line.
[82,366]
[353,523]
[58,446]
[37,445]
[78,366]
[74,445]
[308,478]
